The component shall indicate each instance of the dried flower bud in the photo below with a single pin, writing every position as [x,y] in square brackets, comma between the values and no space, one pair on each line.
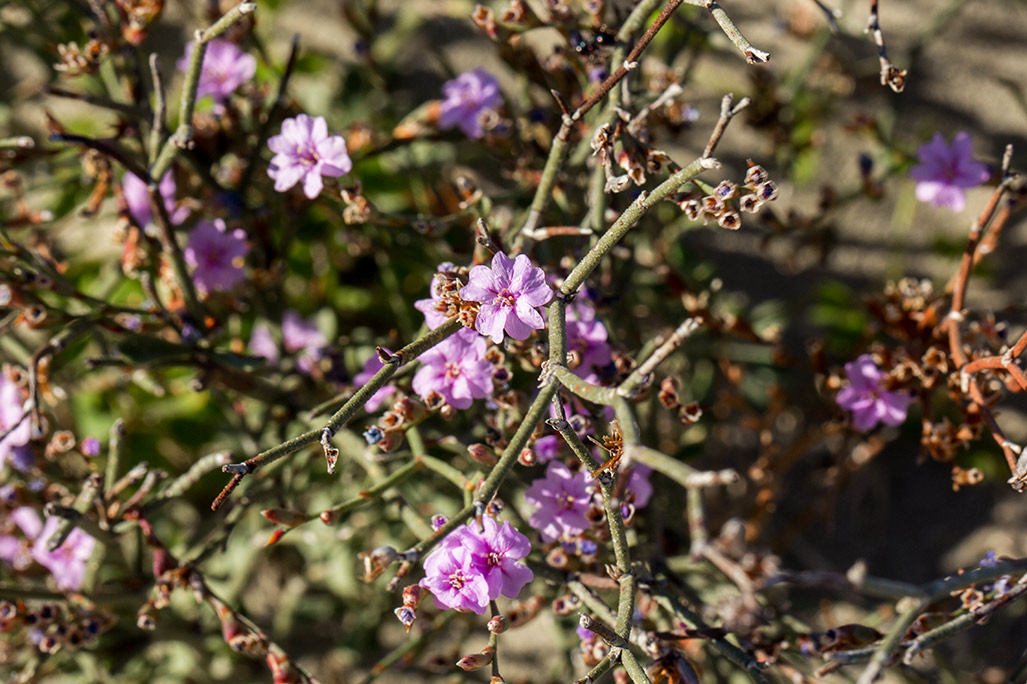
[284,516]
[712,206]
[692,209]
[146,619]
[668,395]
[447,412]
[521,612]
[767,191]
[565,605]
[376,561]
[406,615]
[725,191]
[690,413]
[755,175]
[749,203]
[483,454]
[558,558]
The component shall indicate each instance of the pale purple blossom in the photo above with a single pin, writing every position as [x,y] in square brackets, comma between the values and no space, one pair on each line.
[563,498]
[510,293]
[304,152]
[90,446]
[262,343]
[301,333]
[454,578]
[496,550]
[457,369]
[867,400]
[67,563]
[13,421]
[639,485]
[137,198]
[469,97]
[217,255]
[225,67]
[372,366]
[945,170]
[587,335]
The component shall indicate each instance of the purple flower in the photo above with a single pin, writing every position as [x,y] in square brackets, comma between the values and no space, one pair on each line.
[866,399]
[563,499]
[217,255]
[455,580]
[495,551]
[12,419]
[468,97]
[137,197]
[67,563]
[225,68]
[587,336]
[434,307]
[90,446]
[509,292]
[372,366]
[304,152]
[639,485]
[547,448]
[456,369]
[262,343]
[944,171]
[300,333]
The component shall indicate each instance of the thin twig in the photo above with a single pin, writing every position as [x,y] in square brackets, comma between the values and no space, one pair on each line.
[891,76]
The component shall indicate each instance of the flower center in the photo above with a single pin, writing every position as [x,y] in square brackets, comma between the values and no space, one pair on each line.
[457,580]
[506,298]
[566,501]
[307,154]
[494,559]
[452,370]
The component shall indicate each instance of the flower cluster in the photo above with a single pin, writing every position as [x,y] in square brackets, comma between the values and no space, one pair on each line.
[510,292]
[304,152]
[216,255]
[67,563]
[298,335]
[471,567]
[470,97]
[757,189]
[868,401]
[945,170]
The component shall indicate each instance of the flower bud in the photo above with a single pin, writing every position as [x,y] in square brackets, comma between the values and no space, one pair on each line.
[476,661]
[527,457]
[483,454]
[498,624]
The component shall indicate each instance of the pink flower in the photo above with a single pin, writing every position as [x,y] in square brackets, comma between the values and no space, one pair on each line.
[510,292]
[372,366]
[67,563]
[468,97]
[304,152]
[457,369]
[866,399]
[496,551]
[587,335]
[137,197]
[455,579]
[944,171]
[563,499]
[217,255]
[225,68]
[12,419]
[639,485]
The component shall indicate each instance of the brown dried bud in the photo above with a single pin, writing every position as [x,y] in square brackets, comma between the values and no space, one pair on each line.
[376,561]
[483,454]
[690,413]
[730,220]
[558,558]
[692,208]
[447,412]
[749,203]
[755,175]
[61,442]
[284,516]
[668,395]
[521,612]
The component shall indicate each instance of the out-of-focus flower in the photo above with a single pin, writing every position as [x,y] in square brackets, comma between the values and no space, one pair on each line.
[372,366]
[944,170]
[304,152]
[67,563]
[262,343]
[563,499]
[865,398]
[496,550]
[137,197]
[225,68]
[639,485]
[468,97]
[217,255]
[587,335]
[510,292]
[455,580]
[547,448]
[90,446]
[14,424]
[300,333]
[456,369]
